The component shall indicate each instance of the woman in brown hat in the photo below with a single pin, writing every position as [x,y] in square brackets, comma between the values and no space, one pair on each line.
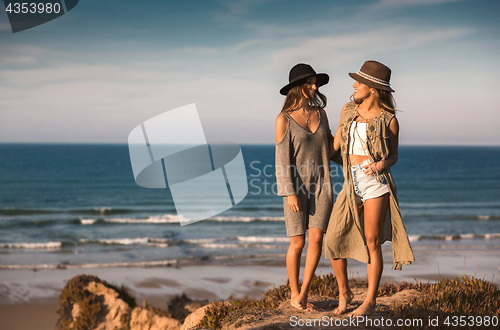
[303,145]
[366,211]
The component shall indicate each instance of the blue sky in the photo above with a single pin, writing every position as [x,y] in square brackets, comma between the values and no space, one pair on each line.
[97,72]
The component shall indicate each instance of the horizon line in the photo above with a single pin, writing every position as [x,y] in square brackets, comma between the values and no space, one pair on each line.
[242,144]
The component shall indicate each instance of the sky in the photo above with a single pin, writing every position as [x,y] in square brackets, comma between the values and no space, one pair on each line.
[95,73]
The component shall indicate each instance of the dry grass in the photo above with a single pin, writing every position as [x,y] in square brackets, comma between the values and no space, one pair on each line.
[322,286]
[465,296]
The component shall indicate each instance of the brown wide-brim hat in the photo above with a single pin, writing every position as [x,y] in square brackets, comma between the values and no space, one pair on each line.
[374,74]
[299,74]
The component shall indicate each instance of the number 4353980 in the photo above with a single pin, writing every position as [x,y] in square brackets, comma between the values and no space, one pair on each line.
[33,8]
[462,321]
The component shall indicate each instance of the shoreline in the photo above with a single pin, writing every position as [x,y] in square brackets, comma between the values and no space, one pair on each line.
[36,293]
[219,279]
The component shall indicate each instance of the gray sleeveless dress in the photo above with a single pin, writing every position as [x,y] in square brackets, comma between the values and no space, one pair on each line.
[303,168]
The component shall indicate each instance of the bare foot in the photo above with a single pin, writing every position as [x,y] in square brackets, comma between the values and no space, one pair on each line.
[365,309]
[295,302]
[307,305]
[311,308]
[344,300]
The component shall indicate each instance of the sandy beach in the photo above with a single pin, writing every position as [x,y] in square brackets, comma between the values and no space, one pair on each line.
[24,292]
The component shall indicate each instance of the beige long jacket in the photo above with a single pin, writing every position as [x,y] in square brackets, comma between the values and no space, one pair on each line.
[345,235]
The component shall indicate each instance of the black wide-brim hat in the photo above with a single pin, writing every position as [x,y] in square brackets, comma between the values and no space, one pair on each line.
[374,74]
[298,75]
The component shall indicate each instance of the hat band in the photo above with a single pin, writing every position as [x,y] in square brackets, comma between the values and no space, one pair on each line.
[302,76]
[374,79]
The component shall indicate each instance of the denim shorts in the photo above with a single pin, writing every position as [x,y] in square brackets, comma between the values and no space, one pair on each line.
[366,186]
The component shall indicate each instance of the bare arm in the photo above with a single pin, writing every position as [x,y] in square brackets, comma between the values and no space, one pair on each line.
[393,149]
[335,147]
[279,131]
[336,138]
[393,145]
[330,141]
[280,128]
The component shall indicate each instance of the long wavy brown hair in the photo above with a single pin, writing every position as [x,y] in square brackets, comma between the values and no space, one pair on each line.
[295,96]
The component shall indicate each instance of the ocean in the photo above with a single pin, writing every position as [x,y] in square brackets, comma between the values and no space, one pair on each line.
[77,205]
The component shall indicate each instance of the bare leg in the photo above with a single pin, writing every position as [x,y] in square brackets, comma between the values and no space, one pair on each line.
[345,294]
[314,249]
[339,267]
[293,267]
[375,210]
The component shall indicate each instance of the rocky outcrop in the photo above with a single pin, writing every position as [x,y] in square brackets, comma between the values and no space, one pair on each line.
[194,318]
[113,308]
[88,303]
[143,319]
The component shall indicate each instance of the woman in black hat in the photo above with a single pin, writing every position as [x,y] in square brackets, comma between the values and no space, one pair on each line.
[366,211]
[303,145]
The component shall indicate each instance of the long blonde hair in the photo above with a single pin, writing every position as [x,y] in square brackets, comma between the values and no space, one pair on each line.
[385,100]
[295,96]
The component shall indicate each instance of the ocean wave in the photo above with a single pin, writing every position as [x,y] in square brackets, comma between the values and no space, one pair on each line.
[488,217]
[445,248]
[454,237]
[153,263]
[451,204]
[88,221]
[253,208]
[103,211]
[238,246]
[18,223]
[251,256]
[168,218]
[147,241]
[414,238]
[171,218]
[263,239]
[15,211]
[203,240]
[94,265]
[245,219]
[38,245]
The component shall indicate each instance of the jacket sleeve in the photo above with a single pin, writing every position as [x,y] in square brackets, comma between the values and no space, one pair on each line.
[284,168]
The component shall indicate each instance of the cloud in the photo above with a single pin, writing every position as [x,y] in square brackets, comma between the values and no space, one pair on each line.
[99,93]
[387,4]
[5,25]
[343,48]
[20,55]
[17,60]
[235,10]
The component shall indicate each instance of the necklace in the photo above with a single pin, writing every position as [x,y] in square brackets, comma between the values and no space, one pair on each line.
[363,142]
[363,118]
[307,118]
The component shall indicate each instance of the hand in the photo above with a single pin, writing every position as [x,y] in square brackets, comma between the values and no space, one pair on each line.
[372,169]
[293,203]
